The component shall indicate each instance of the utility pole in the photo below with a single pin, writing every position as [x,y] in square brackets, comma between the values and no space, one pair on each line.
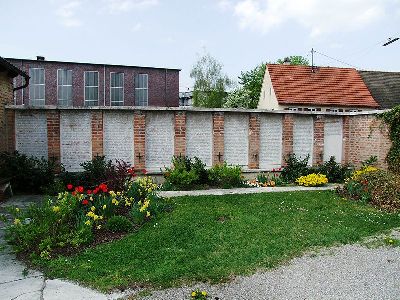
[312,60]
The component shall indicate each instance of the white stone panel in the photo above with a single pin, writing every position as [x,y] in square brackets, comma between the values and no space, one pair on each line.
[303,137]
[31,133]
[236,139]
[118,136]
[159,140]
[76,139]
[199,136]
[270,141]
[333,138]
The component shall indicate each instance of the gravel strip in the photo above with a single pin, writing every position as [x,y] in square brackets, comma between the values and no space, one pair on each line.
[346,272]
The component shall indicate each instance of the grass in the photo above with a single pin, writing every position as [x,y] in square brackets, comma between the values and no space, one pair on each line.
[211,238]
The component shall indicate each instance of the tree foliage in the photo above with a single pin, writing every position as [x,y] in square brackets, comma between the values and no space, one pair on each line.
[296,60]
[210,82]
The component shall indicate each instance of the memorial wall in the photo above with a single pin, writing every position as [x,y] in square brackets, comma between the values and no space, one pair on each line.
[255,140]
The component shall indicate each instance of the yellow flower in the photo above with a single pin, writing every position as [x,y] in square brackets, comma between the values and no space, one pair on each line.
[101,217]
[90,214]
[118,193]
[56,209]
[98,226]
[93,208]
[17,209]
[104,206]
[112,193]
[148,214]
[142,209]
[194,294]
[88,223]
[91,198]
[204,293]
[17,222]
[95,217]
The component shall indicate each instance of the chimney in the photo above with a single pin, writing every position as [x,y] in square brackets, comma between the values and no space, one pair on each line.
[286,61]
[39,57]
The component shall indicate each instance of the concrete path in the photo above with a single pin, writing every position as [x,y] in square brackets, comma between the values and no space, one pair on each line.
[254,190]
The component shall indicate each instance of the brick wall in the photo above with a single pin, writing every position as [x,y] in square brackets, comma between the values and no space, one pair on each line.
[149,138]
[6,96]
[163,85]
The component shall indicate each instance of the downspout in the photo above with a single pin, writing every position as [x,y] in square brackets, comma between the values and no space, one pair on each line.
[25,84]
[104,86]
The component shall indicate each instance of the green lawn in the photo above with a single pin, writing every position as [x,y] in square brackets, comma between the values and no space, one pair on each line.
[210,238]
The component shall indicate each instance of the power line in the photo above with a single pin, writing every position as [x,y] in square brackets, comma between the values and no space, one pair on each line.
[338,60]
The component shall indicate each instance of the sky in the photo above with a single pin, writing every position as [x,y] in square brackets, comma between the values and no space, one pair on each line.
[240,34]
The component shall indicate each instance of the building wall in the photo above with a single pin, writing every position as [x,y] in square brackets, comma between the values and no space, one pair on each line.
[6,96]
[255,139]
[163,88]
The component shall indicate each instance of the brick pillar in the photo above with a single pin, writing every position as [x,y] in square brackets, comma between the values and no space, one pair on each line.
[218,138]
[318,149]
[53,135]
[97,134]
[139,129]
[10,131]
[287,136]
[254,141]
[180,134]
[346,140]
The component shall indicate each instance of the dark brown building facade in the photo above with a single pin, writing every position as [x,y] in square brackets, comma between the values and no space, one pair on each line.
[86,84]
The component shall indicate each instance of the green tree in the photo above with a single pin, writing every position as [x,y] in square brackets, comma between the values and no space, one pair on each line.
[297,60]
[210,84]
[239,98]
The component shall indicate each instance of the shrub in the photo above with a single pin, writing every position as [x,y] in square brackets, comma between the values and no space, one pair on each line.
[294,168]
[312,180]
[29,174]
[378,187]
[119,224]
[335,172]
[185,173]
[225,176]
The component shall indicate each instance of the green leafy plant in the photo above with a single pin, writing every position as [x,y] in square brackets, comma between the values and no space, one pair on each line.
[294,168]
[392,119]
[119,224]
[225,176]
[199,295]
[28,174]
[335,172]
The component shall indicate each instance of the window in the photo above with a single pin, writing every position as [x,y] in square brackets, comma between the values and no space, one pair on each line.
[141,89]
[117,89]
[334,110]
[64,87]
[36,87]
[91,88]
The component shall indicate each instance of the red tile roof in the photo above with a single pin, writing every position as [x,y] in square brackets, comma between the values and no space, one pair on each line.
[326,86]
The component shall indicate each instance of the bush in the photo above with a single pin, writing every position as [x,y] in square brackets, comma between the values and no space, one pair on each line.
[335,172]
[29,174]
[119,224]
[185,173]
[294,168]
[225,176]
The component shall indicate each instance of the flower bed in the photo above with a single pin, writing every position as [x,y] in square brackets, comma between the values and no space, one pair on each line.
[79,217]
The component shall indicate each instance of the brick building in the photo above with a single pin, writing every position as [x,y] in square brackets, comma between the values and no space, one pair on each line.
[87,84]
[8,73]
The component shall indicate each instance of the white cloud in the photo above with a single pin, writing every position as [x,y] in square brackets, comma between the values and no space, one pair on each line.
[67,14]
[121,6]
[137,27]
[319,17]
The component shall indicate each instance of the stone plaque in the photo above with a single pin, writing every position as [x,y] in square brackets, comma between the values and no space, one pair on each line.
[118,136]
[270,141]
[199,136]
[76,139]
[333,138]
[303,137]
[159,139]
[236,139]
[31,133]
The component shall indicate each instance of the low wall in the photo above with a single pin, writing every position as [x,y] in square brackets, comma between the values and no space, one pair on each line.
[148,138]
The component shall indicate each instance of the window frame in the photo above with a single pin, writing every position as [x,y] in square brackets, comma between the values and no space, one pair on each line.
[64,85]
[140,88]
[91,86]
[37,84]
[119,87]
